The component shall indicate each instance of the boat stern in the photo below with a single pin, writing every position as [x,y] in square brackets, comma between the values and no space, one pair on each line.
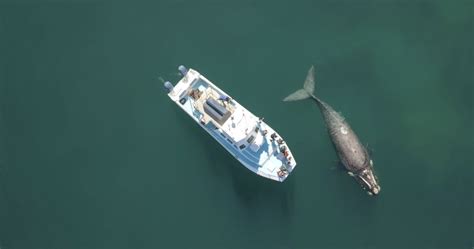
[177,92]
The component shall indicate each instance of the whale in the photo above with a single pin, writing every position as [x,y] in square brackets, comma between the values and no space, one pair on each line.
[351,152]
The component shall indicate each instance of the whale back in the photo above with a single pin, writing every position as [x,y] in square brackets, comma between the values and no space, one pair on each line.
[352,153]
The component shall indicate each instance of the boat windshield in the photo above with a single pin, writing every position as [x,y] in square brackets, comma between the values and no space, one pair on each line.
[250,139]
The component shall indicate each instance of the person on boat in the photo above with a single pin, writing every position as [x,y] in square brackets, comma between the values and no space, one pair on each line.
[281,173]
[273,136]
[224,98]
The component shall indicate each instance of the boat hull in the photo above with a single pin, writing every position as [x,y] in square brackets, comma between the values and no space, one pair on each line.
[260,150]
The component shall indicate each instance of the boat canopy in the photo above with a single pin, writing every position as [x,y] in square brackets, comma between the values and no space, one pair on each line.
[216,111]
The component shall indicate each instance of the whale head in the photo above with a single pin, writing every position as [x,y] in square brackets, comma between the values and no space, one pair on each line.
[368,180]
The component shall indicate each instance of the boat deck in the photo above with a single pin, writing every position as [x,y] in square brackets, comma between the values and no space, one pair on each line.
[206,92]
[239,123]
[249,139]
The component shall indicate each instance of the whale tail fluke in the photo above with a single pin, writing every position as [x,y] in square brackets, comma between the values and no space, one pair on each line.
[308,88]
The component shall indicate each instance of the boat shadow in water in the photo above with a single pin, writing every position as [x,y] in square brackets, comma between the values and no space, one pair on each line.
[259,197]
[263,197]
[262,200]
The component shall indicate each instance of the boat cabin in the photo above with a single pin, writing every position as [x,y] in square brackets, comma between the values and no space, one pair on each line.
[216,110]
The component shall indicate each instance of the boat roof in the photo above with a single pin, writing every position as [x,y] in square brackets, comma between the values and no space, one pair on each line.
[240,124]
[236,126]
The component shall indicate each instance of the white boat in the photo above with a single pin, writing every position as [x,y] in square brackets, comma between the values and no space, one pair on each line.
[248,138]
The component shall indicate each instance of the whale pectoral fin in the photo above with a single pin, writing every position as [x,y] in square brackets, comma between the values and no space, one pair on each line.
[369,149]
[338,166]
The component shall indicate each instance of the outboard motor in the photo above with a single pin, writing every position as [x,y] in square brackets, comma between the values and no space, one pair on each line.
[182,70]
[168,86]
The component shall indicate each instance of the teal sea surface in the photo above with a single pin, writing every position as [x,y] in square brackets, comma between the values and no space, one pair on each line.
[93,154]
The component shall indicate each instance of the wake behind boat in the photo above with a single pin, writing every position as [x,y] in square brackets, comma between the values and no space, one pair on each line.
[248,138]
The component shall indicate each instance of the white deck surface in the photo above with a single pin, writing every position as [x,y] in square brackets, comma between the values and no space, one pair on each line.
[262,155]
[240,124]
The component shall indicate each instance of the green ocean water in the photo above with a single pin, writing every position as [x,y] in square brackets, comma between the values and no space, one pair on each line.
[93,154]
